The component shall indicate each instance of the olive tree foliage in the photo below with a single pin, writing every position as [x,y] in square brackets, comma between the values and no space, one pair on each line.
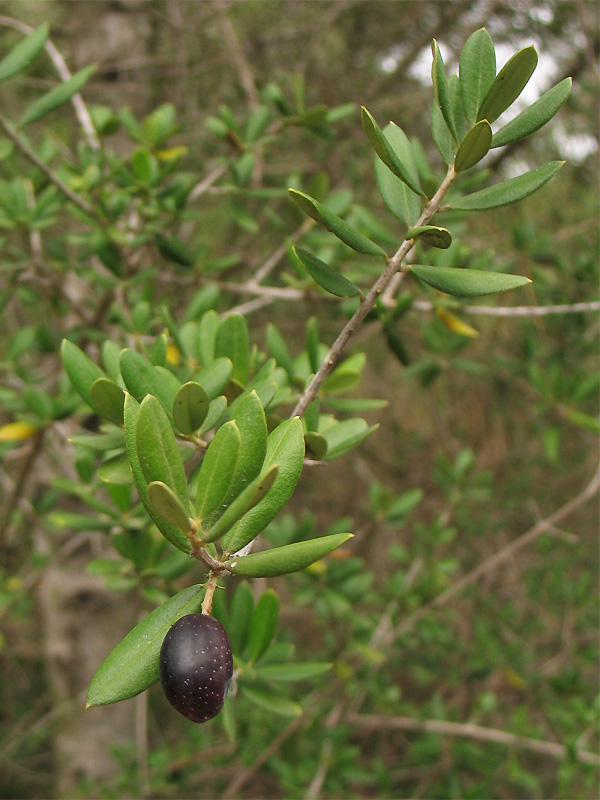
[195,435]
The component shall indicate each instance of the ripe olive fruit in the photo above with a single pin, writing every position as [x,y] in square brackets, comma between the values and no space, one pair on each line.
[196,666]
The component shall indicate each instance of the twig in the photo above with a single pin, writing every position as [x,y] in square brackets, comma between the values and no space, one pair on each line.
[241,779]
[374,722]
[393,266]
[518,311]
[276,257]
[206,183]
[52,177]
[237,54]
[502,555]
[81,110]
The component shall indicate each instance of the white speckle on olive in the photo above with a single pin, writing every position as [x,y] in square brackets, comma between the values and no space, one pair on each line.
[187,666]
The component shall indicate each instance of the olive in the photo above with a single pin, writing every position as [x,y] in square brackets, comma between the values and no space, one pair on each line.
[196,666]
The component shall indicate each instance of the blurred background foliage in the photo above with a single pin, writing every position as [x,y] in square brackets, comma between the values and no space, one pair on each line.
[482,438]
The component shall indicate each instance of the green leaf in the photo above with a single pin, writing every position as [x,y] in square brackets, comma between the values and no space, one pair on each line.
[510,191]
[468,282]
[346,233]
[214,377]
[240,617]
[157,449]
[81,370]
[389,152]
[285,447]
[477,70]
[56,97]
[279,350]
[312,343]
[244,502]
[233,342]
[190,407]
[252,424]
[316,444]
[441,135]
[327,277]
[286,559]
[345,436]
[442,92]
[116,471]
[273,703]
[133,664]
[474,146]
[508,84]
[291,672]
[142,378]
[21,56]
[108,399]
[216,410]
[218,466]
[166,503]
[532,118]
[174,250]
[398,197]
[263,625]
[170,532]
[431,235]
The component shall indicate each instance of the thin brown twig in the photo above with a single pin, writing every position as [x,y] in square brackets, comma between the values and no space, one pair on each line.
[81,110]
[518,311]
[393,265]
[52,177]
[468,730]
[241,779]
[494,561]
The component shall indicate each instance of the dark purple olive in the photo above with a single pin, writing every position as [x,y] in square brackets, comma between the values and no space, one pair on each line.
[196,666]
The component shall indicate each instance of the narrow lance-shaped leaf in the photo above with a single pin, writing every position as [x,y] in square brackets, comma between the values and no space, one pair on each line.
[286,559]
[264,624]
[232,341]
[441,135]
[477,70]
[107,400]
[142,378]
[431,235]
[272,702]
[241,609]
[474,146]
[190,407]
[468,282]
[133,664]
[401,201]
[285,447]
[157,449]
[56,97]
[217,469]
[170,532]
[345,436]
[22,55]
[81,370]
[252,494]
[508,84]
[398,197]
[327,277]
[442,93]
[386,151]
[250,418]
[534,117]
[509,191]
[166,503]
[345,232]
